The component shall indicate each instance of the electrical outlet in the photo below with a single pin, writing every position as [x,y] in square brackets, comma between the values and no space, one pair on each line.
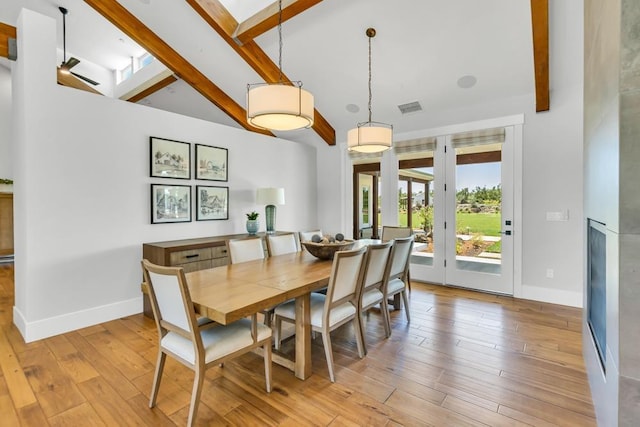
[549,273]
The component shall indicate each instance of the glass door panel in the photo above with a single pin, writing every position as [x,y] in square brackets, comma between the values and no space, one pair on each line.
[479,212]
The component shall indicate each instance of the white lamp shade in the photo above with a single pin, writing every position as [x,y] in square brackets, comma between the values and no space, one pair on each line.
[370,139]
[270,196]
[279,107]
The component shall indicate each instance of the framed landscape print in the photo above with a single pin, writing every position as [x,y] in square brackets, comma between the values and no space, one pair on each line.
[170,203]
[169,159]
[212,203]
[211,163]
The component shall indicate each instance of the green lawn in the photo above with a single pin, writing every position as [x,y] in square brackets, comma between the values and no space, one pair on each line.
[482,223]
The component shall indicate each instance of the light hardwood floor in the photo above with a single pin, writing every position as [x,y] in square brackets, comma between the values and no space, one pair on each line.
[466,359]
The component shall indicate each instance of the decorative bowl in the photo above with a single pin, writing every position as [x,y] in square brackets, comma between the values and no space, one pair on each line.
[327,250]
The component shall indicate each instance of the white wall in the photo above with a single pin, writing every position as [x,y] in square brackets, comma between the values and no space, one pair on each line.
[6,167]
[82,197]
[552,166]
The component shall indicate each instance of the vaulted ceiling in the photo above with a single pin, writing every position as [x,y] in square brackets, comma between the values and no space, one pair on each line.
[425,51]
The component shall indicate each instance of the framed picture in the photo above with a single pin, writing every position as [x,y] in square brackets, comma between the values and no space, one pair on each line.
[212,203]
[211,163]
[169,159]
[170,203]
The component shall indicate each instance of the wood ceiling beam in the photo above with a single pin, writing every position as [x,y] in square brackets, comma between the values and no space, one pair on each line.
[152,89]
[219,18]
[6,32]
[540,28]
[115,13]
[267,19]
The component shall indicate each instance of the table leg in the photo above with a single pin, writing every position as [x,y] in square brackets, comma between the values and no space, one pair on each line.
[303,337]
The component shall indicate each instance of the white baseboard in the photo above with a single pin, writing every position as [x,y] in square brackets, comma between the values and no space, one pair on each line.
[44,328]
[553,296]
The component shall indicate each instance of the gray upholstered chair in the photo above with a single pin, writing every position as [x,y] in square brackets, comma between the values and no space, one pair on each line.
[337,307]
[195,346]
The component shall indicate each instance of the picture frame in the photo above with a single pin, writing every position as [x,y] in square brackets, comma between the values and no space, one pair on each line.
[212,203]
[211,163]
[170,203]
[169,158]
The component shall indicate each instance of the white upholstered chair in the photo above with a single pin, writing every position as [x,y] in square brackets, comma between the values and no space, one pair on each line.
[195,346]
[390,233]
[337,307]
[280,244]
[305,236]
[376,274]
[243,250]
[398,278]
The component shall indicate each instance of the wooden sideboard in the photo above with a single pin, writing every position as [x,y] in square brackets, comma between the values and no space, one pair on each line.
[6,224]
[192,254]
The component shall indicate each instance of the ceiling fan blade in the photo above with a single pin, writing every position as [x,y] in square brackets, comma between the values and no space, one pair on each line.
[71,62]
[86,79]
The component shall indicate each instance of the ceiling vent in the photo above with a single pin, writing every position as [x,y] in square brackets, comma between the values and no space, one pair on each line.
[410,107]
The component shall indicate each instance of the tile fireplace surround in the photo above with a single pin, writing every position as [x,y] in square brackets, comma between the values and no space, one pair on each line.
[612,197]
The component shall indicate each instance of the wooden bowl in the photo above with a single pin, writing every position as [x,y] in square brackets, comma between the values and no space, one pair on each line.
[327,250]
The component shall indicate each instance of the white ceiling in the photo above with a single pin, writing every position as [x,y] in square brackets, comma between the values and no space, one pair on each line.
[421,49]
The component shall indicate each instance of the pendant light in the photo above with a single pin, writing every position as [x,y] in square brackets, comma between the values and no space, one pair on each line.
[279,106]
[370,136]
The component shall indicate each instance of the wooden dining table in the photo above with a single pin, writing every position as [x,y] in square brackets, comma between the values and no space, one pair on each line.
[229,293]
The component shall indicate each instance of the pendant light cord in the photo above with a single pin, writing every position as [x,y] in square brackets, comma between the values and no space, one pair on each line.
[64,36]
[370,79]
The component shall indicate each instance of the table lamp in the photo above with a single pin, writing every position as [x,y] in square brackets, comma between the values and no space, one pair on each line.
[270,197]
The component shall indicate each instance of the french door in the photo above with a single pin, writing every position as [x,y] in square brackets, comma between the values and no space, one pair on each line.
[465,236]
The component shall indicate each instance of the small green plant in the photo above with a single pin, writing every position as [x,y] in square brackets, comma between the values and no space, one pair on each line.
[252,216]
[6,181]
[476,240]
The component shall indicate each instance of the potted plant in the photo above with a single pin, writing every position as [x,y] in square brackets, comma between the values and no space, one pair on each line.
[252,223]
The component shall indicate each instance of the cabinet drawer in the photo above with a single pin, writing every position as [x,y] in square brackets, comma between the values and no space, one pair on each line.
[219,251]
[195,266]
[217,262]
[193,255]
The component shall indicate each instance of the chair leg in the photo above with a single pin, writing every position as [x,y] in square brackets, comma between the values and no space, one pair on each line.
[157,378]
[357,325]
[267,365]
[326,338]
[406,304]
[384,306]
[268,315]
[361,321]
[409,281]
[277,332]
[198,380]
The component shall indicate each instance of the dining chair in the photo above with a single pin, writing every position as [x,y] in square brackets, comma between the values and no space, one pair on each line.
[305,236]
[390,232]
[399,271]
[195,346]
[280,244]
[376,273]
[337,307]
[243,250]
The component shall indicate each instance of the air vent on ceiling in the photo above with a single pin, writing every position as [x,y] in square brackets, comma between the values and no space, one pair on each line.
[410,107]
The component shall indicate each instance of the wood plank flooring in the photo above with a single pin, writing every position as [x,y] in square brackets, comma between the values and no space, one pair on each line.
[466,358]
